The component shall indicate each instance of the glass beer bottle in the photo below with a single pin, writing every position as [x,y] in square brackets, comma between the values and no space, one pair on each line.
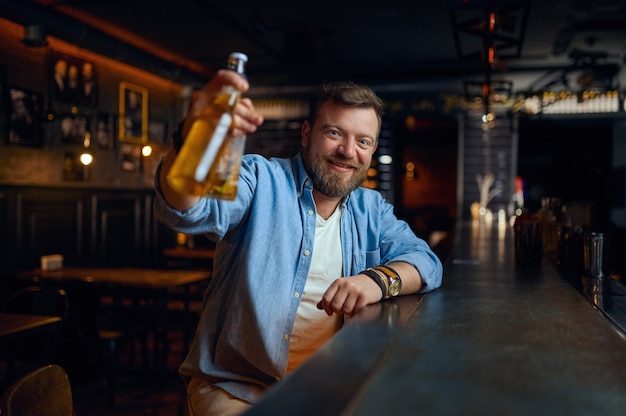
[208,162]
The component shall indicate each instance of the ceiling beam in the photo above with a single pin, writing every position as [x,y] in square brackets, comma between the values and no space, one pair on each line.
[71,30]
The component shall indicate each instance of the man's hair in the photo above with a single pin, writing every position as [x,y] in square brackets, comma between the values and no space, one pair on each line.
[348,94]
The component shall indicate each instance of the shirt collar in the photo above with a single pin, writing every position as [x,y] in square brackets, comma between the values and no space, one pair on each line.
[302,178]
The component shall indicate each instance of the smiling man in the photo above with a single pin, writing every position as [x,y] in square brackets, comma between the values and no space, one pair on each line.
[301,246]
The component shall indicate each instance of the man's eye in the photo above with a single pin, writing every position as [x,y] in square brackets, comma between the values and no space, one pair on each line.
[365,143]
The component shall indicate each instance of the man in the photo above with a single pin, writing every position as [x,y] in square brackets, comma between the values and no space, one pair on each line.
[23,126]
[89,83]
[60,78]
[133,117]
[293,248]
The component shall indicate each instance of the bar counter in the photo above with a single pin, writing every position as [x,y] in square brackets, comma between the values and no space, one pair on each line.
[496,338]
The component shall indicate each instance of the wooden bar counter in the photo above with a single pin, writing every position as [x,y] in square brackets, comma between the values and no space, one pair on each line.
[496,338]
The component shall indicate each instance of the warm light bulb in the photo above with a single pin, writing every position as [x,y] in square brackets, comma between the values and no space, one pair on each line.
[86,159]
[146,151]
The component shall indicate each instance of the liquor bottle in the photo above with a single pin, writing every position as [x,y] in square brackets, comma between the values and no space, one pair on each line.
[208,162]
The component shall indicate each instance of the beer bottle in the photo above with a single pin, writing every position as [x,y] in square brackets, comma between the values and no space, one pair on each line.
[208,162]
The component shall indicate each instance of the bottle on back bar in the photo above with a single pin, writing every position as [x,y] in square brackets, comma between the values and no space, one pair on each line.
[208,162]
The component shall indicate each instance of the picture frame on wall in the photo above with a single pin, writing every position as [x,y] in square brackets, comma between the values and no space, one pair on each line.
[24,109]
[133,114]
[157,131]
[74,130]
[104,134]
[73,80]
[130,157]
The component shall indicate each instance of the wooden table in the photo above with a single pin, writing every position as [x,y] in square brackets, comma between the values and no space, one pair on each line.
[153,283]
[15,330]
[125,276]
[190,253]
[189,257]
[16,326]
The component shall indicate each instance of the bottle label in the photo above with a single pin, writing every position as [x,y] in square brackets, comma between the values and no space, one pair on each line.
[219,134]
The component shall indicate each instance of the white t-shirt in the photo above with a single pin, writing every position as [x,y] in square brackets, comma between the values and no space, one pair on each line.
[312,326]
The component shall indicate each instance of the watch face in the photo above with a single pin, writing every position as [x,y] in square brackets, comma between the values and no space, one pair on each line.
[394,287]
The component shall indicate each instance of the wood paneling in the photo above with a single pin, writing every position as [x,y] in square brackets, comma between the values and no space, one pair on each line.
[117,228]
[49,222]
[88,227]
[4,232]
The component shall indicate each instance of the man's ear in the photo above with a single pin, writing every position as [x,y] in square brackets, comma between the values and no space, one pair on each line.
[305,133]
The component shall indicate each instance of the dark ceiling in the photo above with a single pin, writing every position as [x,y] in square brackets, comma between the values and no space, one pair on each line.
[433,44]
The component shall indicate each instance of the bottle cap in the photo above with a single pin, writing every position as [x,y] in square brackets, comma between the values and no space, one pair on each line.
[237,61]
[239,56]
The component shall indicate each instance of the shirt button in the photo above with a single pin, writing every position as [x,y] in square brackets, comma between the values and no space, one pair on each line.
[307,252]
[296,295]
[310,212]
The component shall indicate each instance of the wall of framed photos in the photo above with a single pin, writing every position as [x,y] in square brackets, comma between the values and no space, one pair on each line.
[59,101]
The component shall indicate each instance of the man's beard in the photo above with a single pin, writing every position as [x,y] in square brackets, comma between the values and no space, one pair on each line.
[329,182]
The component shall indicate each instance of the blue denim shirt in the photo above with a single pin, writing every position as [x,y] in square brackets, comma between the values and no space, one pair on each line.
[264,249]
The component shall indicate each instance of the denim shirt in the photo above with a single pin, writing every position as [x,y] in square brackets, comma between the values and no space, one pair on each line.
[264,248]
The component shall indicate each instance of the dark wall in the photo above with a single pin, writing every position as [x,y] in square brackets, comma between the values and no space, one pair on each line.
[569,158]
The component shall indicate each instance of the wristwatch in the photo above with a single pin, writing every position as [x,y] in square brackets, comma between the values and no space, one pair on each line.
[394,283]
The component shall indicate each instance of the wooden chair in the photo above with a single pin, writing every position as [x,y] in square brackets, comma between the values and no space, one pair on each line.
[45,391]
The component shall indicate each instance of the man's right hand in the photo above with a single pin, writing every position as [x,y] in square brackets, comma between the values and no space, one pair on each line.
[245,120]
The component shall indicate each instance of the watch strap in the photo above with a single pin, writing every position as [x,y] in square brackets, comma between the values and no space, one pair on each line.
[390,276]
[380,281]
[388,271]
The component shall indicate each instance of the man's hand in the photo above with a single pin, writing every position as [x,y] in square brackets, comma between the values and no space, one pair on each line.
[347,295]
[246,120]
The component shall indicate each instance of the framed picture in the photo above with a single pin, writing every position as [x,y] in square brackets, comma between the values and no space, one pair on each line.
[24,116]
[74,130]
[104,134]
[133,121]
[73,169]
[130,157]
[73,80]
[157,131]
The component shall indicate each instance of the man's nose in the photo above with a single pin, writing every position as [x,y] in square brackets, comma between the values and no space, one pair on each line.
[347,147]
